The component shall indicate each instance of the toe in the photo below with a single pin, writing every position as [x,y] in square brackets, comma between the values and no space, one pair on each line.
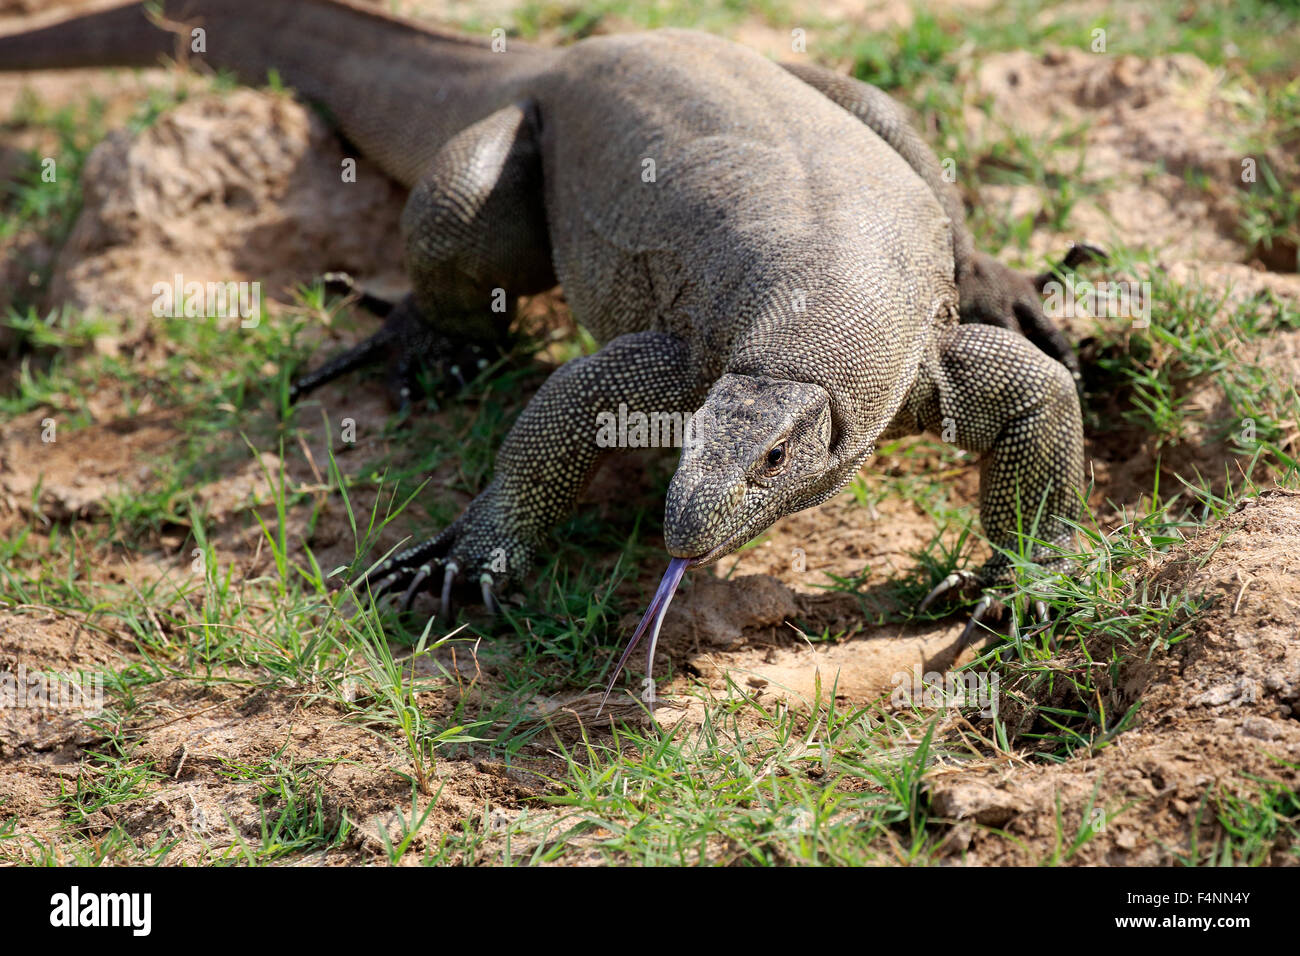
[489,599]
[448,581]
[988,607]
[959,581]
[417,582]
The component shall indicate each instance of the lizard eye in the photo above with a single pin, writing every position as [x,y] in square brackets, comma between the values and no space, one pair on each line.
[776,457]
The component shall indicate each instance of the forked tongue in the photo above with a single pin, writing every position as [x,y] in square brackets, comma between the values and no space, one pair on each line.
[654,615]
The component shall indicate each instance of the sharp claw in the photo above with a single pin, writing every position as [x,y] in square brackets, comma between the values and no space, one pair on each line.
[489,601]
[340,283]
[448,579]
[955,580]
[943,587]
[1081,252]
[977,615]
[421,576]
[381,587]
[359,355]
[389,583]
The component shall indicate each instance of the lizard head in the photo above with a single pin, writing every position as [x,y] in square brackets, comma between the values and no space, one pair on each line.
[760,448]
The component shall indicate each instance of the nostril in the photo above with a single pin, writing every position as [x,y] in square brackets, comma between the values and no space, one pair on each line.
[682,528]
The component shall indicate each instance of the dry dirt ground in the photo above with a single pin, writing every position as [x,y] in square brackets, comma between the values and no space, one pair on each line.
[243,185]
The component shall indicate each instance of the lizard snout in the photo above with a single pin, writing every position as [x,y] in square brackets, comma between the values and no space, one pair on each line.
[749,453]
[698,515]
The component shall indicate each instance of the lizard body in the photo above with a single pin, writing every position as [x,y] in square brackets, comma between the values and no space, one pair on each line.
[771,249]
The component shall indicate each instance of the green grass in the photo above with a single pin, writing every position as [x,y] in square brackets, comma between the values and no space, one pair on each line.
[44,197]
[1259,827]
[567,22]
[1270,213]
[111,776]
[1196,339]
[752,785]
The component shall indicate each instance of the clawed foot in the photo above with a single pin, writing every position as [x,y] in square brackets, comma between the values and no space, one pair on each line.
[474,560]
[406,344]
[990,608]
[424,568]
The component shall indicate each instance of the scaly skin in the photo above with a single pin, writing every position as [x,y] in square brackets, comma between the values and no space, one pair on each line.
[773,249]
[991,294]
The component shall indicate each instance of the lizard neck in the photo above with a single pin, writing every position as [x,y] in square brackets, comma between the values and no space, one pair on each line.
[844,335]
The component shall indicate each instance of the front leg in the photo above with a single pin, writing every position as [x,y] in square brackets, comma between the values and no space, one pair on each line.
[989,391]
[542,467]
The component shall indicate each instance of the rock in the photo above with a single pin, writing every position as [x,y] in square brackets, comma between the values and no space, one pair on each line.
[978,802]
[240,186]
[1260,728]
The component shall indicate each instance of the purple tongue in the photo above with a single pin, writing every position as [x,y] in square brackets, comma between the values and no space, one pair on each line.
[663,597]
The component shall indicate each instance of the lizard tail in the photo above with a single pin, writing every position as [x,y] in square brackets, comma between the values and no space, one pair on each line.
[121,35]
[396,88]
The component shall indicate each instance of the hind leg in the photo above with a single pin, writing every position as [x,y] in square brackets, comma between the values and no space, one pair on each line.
[476,239]
[992,294]
[408,346]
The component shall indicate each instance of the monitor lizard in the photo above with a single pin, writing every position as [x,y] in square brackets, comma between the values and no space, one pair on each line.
[770,249]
